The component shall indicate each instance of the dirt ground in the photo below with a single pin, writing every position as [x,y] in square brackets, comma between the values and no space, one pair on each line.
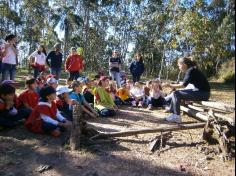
[21,152]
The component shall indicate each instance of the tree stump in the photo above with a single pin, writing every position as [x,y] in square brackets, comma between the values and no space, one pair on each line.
[75,130]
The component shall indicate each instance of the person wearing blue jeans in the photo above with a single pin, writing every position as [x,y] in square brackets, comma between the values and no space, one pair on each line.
[56,71]
[9,60]
[114,67]
[116,77]
[199,92]
[8,70]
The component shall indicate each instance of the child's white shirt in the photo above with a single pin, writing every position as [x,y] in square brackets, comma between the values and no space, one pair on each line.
[137,92]
[48,119]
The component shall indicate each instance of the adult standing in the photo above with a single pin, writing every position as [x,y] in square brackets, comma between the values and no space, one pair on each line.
[137,68]
[38,60]
[200,90]
[74,64]
[54,61]
[9,60]
[114,67]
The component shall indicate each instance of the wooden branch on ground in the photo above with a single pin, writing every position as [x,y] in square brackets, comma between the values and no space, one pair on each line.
[75,130]
[146,131]
[222,117]
[222,138]
[158,141]
[220,106]
[195,114]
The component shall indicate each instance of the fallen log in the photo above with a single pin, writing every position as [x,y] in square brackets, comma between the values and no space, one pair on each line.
[193,111]
[146,131]
[195,114]
[75,130]
[197,108]
[220,106]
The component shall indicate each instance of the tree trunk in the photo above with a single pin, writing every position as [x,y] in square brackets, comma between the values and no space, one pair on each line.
[75,130]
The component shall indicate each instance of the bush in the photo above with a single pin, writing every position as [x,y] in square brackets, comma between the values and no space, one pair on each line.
[227,71]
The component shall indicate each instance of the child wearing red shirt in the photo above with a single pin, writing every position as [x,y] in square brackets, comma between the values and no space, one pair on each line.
[9,115]
[29,98]
[46,118]
[74,64]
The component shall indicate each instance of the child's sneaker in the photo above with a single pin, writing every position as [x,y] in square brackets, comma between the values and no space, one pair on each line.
[140,104]
[56,133]
[134,103]
[174,118]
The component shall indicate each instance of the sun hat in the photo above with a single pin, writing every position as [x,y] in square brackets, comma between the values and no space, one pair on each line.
[63,89]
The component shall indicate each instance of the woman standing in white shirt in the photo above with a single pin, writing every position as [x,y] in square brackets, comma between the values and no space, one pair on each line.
[38,60]
[9,60]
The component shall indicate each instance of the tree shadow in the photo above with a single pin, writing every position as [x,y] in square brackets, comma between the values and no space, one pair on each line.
[23,159]
[222,86]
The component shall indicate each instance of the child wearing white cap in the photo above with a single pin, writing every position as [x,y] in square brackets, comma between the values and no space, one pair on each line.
[64,102]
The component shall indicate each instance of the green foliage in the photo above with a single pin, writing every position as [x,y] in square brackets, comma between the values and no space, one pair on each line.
[161,30]
[227,72]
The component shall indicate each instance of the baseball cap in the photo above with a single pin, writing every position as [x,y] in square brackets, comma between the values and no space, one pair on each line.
[10,82]
[63,89]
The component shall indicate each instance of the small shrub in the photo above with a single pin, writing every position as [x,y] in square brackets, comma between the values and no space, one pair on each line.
[227,71]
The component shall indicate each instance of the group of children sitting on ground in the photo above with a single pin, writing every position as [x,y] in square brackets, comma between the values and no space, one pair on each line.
[47,107]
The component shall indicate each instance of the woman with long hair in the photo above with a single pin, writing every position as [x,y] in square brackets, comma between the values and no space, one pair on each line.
[198,91]
[38,60]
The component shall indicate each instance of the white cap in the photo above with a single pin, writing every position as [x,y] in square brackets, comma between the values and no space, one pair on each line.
[52,81]
[63,89]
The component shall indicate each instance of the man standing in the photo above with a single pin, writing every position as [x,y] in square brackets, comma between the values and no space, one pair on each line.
[54,61]
[114,67]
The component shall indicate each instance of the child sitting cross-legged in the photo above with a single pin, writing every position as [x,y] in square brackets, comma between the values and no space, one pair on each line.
[124,94]
[103,100]
[137,94]
[156,98]
[46,118]
[78,96]
[9,115]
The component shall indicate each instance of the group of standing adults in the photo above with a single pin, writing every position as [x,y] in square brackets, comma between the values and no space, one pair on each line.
[136,67]
[38,60]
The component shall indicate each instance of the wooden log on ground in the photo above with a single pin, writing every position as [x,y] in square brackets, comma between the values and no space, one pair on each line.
[193,111]
[146,131]
[195,114]
[218,105]
[75,130]
[197,108]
